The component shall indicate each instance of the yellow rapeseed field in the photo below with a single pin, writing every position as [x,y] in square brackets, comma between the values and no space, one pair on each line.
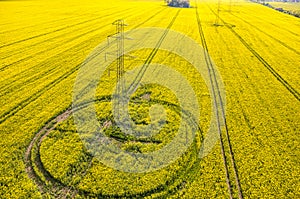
[43,45]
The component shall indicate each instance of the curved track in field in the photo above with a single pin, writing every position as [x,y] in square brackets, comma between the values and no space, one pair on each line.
[48,184]
[51,84]
[293,91]
[31,162]
[37,172]
[221,118]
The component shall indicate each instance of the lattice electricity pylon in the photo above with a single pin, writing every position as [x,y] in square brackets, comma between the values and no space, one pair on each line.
[119,36]
[120,58]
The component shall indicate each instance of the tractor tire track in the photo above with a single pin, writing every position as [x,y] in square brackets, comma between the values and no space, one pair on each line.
[277,40]
[53,21]
[149,59]
[24,75]
[29,160]
[269,22]
[10,86]
[21,50]
[50,85]
[49,22]
[263,61]
[50,32]
[35,167]
[57,184]
[220,116]
[49,39]
[46,50]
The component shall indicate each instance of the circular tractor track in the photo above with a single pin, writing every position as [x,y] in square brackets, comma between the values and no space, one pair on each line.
[50,185]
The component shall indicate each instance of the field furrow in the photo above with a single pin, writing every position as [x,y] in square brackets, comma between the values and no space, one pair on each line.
[69,133]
